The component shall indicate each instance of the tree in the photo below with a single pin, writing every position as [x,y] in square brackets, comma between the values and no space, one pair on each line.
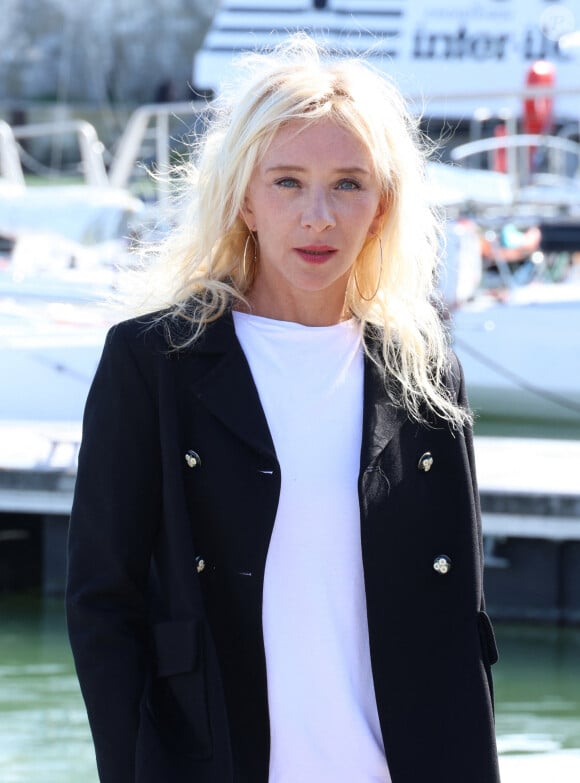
[87,51]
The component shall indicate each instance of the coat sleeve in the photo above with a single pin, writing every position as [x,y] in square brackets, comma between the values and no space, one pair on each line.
[116,511]
[463,401]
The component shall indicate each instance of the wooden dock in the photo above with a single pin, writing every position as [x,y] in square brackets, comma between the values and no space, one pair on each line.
[530,497]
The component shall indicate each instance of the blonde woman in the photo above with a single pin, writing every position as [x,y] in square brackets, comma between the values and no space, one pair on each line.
[275,546]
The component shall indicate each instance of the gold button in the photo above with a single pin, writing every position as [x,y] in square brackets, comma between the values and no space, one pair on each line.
[192,458]
[199,564]
[425,462]
[442,564]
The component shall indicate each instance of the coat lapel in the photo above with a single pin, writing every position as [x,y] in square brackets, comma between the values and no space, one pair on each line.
[382,417]
[222,381]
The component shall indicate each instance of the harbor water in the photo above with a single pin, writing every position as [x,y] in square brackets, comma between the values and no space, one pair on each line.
[44,736]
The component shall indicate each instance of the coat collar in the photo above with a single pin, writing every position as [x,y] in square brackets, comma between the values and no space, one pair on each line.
[226,388]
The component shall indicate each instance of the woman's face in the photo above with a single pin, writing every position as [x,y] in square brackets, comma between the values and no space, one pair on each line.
[312,200]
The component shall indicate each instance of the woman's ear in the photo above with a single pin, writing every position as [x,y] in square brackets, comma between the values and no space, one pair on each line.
[378,221]
[247,216]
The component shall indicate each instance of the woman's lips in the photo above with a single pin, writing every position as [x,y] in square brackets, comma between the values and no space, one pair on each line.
[316,254]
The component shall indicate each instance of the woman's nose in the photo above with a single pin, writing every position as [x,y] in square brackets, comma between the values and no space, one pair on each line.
[317,213]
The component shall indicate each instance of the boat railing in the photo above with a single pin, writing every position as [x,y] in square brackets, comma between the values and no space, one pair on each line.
[10,164]
[91,148]
[522,152]
[151,120]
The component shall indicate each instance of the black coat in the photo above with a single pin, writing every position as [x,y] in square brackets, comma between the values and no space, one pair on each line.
[166,567]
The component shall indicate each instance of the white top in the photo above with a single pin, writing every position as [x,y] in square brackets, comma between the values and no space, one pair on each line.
[323,715]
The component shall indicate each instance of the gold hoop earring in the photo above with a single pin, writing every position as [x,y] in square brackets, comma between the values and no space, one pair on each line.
[244,270]
[370,299]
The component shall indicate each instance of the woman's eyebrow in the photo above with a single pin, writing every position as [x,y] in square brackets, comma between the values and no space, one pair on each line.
[360,170]
[284,167]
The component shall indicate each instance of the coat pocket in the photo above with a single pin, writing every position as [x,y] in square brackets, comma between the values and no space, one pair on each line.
[177,697]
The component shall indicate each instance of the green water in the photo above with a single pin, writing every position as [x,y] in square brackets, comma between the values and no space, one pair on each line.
[524,428]
[43,730]
[44,736]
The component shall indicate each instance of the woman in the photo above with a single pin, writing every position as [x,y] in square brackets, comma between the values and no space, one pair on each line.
[275,546]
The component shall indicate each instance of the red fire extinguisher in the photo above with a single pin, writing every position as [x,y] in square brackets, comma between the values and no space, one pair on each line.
[539,110]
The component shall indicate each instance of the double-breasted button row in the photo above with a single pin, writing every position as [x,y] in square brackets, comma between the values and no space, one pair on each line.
[193,460]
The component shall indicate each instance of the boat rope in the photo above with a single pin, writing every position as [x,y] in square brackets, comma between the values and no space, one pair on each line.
[63,369]
[518,380]
[42,170]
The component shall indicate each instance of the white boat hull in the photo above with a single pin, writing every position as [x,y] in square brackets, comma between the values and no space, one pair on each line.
[522,358]
[48,356]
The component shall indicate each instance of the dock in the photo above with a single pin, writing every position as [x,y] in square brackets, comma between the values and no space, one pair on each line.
[530,501]
[529,491]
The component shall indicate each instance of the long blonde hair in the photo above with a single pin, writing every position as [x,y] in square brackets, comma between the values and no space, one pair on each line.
[207,264]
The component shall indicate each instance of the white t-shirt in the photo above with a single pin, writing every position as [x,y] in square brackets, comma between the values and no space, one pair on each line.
[323,715]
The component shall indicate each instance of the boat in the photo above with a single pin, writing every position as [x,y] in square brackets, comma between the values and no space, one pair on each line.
[60,252]
[521,353]
[71,235]
[434,51]
[518,333]
[49,350]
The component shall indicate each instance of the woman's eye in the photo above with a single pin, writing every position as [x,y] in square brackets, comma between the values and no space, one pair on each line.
[287,182]
[348,184]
